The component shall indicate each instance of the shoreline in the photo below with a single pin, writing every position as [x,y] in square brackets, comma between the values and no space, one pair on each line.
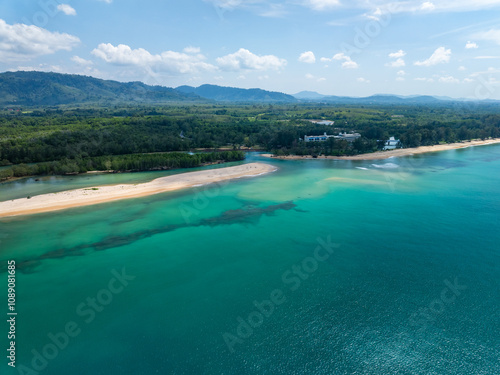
[108,193]
[380,155]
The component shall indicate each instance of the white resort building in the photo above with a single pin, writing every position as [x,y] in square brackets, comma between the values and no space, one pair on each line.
[342,136]
[392,144]
[322,122]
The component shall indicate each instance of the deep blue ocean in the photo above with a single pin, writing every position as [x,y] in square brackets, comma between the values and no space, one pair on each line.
[323,267]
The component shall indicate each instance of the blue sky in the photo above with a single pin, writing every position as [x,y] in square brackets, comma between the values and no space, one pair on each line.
[336,47]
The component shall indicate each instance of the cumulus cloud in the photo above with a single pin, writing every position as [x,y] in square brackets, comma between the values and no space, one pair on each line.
[348,63]
[363,80]
[401,73]
[398,54]
[424,80]
[440,56]
[449,79]
[166,61]
[417,6]
[66,9]
[310,76]
[307,57]
[81,61]
[322,4]
[22,42]
[396,64]
[471,45]
[243,59]
[191,49]
[427,6]
[399,62]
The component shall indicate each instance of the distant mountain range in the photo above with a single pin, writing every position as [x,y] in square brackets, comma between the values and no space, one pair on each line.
[311,96]
[232,94]
[41,89]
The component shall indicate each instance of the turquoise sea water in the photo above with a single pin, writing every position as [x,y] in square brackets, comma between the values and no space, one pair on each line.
[373,267]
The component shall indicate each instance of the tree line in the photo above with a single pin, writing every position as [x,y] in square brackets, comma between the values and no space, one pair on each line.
[121,163]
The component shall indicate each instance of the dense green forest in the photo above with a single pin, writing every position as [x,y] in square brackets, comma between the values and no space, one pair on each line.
[69,140]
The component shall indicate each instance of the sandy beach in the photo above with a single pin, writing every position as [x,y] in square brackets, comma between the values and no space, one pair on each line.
[394,153]
[108,193]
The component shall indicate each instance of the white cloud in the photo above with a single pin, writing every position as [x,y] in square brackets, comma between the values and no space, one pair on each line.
[396,64]
[491,35]
[21,42]
[468,80]
[107,1]
[166,61]
[375,15]
[310,76]
[489,71]
[67,9]
[396,55]
[417,6]
[470,45]
[486,57]
[401,73]
[440,55]
[307,57]
[363,80]
[348,63]
[427,6]
[274,11]
[462,68]
[191,49]
[325,59]
[244,59]
[424,80]
[81,61]
[400,79]
[226,4]
[322,4]
[399,62]
[448,79]
[124,55]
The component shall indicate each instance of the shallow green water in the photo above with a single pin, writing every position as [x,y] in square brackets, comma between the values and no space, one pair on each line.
[376,299]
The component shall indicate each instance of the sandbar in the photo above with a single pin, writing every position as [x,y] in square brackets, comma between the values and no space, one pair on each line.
[379,155]
[101,194]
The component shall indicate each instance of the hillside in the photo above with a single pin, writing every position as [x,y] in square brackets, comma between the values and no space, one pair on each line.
[39,88]
[233,94]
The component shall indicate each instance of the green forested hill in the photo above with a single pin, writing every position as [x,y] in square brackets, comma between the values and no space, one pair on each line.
[234,94]
[39,89]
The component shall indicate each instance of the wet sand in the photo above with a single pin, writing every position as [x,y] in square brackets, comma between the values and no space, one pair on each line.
[109,193]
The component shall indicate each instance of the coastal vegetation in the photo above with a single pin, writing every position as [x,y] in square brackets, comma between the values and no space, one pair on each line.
[65,140]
